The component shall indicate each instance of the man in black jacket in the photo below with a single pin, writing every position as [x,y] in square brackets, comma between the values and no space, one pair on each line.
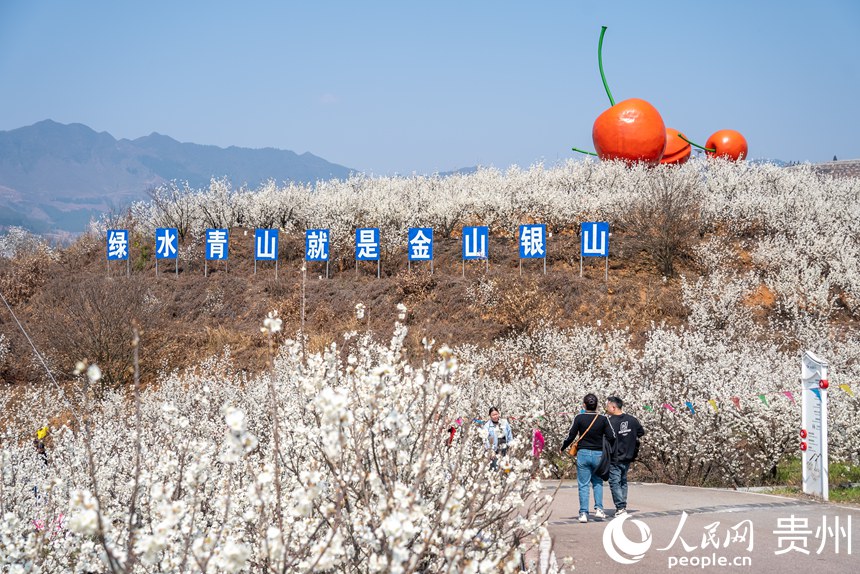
[628,430]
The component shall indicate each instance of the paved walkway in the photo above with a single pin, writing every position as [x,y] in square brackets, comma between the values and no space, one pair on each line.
[686,529]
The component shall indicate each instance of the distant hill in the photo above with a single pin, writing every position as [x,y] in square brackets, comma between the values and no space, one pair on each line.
[776,162]
[54,177]
[840,168]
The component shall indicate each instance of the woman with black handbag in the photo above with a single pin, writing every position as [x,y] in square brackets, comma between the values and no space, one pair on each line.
[588,432]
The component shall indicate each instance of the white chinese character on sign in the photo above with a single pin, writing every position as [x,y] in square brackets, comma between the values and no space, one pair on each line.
[476,245]
[366,244]
[166,244]
[792,530]
[117,245]
[419,246]
[317,245]
[532,241]
[267,244]
[217,239]
[595,239]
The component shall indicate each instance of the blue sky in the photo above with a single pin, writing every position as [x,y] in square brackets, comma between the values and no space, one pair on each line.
[397,87]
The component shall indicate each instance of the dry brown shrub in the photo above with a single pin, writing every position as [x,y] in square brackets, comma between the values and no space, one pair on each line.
[24,276]
[415,286]
[517,303]
[665,220]
[91,319]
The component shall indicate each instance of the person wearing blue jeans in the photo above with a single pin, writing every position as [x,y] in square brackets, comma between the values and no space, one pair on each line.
[628,431]
[590,428]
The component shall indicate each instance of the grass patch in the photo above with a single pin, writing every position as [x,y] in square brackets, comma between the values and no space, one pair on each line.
[844,480]
[850,494]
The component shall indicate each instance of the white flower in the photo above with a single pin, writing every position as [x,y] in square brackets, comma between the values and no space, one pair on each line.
[234,556]
[272,323]
[401,311]
[359,311]
[235,419]
[149,547]
[273,539]
[94,373]
[85,520]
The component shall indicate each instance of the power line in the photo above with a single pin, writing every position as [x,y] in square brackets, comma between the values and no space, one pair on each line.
[42,360]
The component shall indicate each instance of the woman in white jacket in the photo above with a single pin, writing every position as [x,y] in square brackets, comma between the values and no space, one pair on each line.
[498,437]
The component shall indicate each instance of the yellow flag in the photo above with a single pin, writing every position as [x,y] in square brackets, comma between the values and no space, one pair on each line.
[713,404]
[847,389]
[42,433]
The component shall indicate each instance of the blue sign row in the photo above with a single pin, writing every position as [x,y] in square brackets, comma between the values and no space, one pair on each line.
[532,239]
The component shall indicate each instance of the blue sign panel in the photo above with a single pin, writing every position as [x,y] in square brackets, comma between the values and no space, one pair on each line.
[476,242]
[166,243]
[532,241]
[266,244]
[117,244]
[217,247]
[367,244]
[420,243]
[316,244]
[594,239]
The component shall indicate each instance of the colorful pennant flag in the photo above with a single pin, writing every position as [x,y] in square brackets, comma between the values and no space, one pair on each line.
[736,401]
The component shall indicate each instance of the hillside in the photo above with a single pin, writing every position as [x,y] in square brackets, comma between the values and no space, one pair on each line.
[719,275]
[188,317]
[55,177]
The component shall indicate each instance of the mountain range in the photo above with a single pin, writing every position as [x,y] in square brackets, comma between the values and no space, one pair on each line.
[54,177]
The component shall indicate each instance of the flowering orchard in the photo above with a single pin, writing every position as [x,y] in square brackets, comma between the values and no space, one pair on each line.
[335,462]
[778,256]
[339,461]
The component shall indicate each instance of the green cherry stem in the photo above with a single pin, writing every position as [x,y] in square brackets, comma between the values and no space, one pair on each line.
[583,151]
[697,145]
[600,63]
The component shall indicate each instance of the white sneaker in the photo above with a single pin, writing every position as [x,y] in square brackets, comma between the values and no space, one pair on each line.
[599,513]
[621,512]
[583,517]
